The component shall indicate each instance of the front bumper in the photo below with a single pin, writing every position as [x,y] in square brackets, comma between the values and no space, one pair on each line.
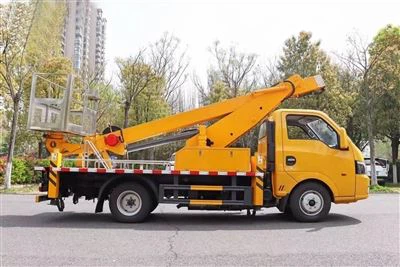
[362,186]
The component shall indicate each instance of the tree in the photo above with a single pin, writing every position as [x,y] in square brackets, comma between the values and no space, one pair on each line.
[386,79]
[135,76]
[108,111]
[355,123]
[269,73]
[16,26]
[231,75]
[303,56]
[30,34]
[361,62]
[170,63]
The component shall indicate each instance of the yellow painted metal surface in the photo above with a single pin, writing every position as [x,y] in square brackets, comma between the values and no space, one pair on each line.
[235,116]
[206,187]
[209,151]
[257,185]
[362,186]
[54,178]
[205,202]
[314,160]
[213,159]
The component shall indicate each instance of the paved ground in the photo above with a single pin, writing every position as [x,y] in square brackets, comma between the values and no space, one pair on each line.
[364,233]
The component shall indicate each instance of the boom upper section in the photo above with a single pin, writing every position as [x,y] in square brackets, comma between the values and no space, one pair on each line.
[234,117]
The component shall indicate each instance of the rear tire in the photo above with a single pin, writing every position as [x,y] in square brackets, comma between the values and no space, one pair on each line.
[310,202]
[130,203]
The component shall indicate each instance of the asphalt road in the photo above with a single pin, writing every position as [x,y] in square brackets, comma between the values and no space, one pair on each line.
[363,233]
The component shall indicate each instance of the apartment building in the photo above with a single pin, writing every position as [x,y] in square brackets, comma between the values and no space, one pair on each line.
[84,38]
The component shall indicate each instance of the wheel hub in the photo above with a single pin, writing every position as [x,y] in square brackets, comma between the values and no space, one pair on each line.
[311,202]
[129,203]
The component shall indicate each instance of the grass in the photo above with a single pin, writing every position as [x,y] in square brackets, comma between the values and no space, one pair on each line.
[388,188]
[20,189]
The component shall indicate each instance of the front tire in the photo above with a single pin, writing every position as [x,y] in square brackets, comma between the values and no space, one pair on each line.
[130,203]
[310,202]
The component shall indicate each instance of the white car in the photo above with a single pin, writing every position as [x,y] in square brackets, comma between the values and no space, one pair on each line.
[381,168]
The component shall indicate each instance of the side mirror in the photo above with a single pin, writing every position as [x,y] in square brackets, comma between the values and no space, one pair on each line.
[344,143]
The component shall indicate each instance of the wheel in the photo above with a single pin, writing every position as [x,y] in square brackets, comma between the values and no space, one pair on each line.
[310,202]
[288,211]
[130,202]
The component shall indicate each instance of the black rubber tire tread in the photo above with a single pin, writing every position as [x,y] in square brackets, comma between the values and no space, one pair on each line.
[144,194]
[287,210]
[154,205]
[297,213]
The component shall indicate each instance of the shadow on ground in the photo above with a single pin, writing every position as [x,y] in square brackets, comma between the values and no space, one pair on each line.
[173,221]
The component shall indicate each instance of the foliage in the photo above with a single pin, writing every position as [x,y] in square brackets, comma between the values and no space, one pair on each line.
[23,172]
[170,63]
[231,75]
[303,56]
[218,92]
[384,189]
[386,80]
[30,33]
[109,110]
[16,21]
[47,29]
[2,169]
[135,77]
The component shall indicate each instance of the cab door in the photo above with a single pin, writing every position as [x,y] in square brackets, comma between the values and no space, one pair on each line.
[311,150]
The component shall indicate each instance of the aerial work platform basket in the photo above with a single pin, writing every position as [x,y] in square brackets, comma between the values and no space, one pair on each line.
[62,108]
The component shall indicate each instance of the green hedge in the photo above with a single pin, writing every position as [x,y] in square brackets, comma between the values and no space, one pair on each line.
[22,171]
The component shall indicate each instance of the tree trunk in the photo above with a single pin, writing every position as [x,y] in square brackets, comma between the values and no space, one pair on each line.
[40,152]
[369,100]
[11,145]
[395,156]
[374,180]
[126,115]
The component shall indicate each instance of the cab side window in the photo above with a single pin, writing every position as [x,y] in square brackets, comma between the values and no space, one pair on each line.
[312,128]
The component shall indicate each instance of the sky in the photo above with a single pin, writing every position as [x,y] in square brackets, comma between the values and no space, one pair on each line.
[259,27]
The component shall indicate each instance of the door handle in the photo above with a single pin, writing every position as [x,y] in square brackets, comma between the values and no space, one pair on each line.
[290,160]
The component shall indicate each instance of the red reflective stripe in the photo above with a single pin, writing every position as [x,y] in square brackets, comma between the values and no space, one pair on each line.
[83,169]
[213,173]
[138,171]
[250,173]
[156,171]
[65,169]
[119,171]
[194,172]
[101,170]
[231,173]
[175,172]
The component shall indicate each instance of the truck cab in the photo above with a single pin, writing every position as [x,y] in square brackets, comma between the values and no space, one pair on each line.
[310,151]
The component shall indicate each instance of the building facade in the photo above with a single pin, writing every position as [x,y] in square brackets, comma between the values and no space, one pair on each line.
[84,38]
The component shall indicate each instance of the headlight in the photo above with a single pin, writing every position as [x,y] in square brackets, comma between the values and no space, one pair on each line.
[360,167]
